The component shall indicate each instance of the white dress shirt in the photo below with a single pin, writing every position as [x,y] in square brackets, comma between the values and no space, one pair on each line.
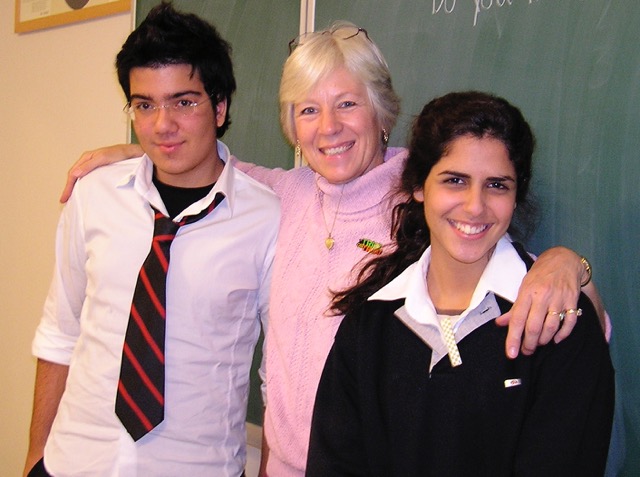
[217,294]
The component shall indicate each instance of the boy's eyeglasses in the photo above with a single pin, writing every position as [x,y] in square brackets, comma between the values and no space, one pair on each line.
[141,110]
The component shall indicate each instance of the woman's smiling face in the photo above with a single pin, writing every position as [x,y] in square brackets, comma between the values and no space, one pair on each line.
[337,129]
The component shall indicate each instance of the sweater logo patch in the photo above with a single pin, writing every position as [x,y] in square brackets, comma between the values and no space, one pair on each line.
[370,246]
[510,383]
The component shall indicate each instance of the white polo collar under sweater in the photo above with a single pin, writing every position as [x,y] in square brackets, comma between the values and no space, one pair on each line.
[502,276]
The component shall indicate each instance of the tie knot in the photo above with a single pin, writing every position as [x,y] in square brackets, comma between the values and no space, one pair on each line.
[164,225]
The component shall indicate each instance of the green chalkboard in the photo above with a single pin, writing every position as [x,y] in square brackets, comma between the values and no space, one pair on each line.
[259,33]
[573,67]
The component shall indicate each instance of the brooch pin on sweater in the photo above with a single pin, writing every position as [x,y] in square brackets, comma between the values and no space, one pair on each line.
[370,246]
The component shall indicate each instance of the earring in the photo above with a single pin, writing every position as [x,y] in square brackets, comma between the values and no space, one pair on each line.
[298,152]
[385,137]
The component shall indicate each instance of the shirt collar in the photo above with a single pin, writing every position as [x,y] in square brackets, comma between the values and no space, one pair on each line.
[141,179]
[502,275]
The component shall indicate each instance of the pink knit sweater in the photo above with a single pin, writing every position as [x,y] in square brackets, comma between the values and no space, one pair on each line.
[300,332]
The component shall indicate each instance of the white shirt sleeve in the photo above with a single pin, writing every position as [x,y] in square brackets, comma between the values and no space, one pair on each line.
[59,327]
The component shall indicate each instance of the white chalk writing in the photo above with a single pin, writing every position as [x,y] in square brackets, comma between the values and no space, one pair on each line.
[448,6]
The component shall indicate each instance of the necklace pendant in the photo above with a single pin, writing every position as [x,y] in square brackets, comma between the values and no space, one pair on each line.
[329,242]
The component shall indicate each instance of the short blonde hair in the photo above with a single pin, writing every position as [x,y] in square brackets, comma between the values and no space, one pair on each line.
[321,53]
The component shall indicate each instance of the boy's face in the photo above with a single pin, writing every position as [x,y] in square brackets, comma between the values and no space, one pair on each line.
[179,139]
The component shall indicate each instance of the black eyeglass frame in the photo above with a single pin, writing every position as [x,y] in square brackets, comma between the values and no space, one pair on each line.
[295,42]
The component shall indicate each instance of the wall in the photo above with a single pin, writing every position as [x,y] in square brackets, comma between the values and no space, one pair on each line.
[58,97]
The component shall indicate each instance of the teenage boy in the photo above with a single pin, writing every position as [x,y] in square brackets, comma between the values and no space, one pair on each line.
[120,393]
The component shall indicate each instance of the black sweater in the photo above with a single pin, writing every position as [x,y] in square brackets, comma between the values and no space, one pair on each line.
[379,412]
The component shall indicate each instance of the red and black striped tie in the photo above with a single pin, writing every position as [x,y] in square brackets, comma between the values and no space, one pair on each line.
[140,398]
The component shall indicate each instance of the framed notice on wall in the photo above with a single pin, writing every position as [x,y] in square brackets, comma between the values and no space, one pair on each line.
[39,14]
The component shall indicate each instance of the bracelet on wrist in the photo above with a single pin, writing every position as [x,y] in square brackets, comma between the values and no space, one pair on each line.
[587,267]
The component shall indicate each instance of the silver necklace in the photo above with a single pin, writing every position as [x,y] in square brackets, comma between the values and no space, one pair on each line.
[329,241]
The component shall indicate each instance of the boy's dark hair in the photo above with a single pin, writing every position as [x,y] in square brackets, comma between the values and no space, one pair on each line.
[168,37]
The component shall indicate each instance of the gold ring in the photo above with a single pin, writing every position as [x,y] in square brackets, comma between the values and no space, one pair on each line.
[561,314]
[578,311]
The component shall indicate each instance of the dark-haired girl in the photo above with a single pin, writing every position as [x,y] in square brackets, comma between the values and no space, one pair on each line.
[417,383]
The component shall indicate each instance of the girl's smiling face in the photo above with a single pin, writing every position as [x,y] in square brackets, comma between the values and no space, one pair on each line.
[469,197]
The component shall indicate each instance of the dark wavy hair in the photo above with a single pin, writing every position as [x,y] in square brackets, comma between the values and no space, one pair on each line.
[442,121]
[168,37]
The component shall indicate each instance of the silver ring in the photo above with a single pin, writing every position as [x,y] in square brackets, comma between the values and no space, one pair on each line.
[561,314]
[578,311]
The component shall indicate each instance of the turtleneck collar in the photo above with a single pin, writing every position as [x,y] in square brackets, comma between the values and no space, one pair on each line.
[369,188]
